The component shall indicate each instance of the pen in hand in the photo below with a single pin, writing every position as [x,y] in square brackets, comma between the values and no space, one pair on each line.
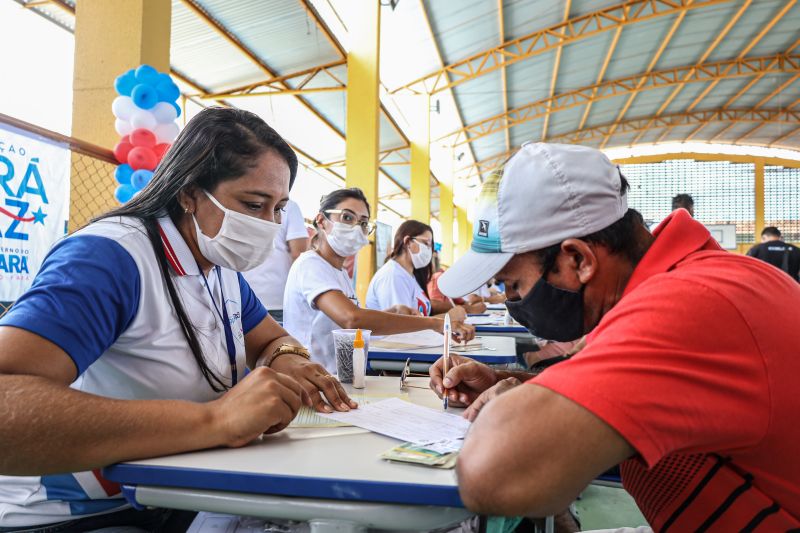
[446,355]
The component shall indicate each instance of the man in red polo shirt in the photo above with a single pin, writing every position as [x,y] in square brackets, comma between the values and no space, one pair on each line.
[688,374]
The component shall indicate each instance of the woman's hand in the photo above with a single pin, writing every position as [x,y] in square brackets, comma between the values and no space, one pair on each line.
[314,379]
[264,402]
[457,313]
[460,331]
[466,379]
[488,395]
[475,309]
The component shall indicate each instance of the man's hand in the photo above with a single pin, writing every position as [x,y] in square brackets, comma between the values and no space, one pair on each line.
[314,379]
[489,394]
[466,379]
[264,402]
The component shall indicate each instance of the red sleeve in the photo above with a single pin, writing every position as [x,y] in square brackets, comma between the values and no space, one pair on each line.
[673,368]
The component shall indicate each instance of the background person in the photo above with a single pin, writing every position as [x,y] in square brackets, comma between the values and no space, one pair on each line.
[319,293]
[268,280]
[776,252]
[683,201]
[403,279]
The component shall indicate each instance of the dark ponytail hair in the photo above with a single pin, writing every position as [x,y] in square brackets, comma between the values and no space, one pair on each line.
[334,198]
[218,144]
[411,229]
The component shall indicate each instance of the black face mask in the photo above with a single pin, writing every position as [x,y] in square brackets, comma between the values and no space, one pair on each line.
[549,312]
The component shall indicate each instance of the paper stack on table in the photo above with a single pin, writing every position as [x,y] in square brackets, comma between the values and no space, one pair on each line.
[404,341]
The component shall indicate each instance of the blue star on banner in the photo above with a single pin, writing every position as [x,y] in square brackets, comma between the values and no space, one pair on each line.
[38,216]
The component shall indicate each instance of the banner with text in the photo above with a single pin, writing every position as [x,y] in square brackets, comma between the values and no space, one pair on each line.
[34,205]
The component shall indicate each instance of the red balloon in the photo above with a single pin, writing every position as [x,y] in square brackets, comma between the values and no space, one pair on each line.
[122,149]
[161,149]
[143,137]
[140,157]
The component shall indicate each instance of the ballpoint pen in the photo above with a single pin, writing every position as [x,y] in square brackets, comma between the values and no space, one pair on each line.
[446,353]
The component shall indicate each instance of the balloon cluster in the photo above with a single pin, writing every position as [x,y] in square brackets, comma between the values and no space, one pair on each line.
[145,110]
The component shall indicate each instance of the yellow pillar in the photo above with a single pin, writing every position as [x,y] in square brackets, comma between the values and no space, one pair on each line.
[759,199]
[446,217]
[464,232]
[111,37]
[362,133]
[421,161]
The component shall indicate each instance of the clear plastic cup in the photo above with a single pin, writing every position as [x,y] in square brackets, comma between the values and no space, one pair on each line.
[343,348]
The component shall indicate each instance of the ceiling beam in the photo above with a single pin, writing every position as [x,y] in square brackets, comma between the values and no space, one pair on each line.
[323,77]
[600,76]
[231,38]
[554,76]
[709,49]
[538,42]
[754,66]
[734,116]
[595,133]
[653,62]
[750,45]
[778,90]
[503,78]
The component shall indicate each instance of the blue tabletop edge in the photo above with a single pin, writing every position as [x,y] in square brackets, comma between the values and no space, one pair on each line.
[280,485]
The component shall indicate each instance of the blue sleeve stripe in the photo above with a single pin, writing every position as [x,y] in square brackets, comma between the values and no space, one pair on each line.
[253,311]
[84,297]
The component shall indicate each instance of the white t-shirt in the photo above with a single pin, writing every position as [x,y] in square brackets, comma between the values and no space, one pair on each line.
[268,280]
[393,285]
[309,277]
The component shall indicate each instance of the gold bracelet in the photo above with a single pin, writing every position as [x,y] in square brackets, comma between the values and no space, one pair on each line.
[284,349]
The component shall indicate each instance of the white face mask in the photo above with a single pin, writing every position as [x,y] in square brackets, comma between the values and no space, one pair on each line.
[421,258]
[242,243]
[346,240]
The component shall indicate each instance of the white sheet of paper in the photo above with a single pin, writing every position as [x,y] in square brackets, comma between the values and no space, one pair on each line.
[421,339]
[484,320]
[405,421]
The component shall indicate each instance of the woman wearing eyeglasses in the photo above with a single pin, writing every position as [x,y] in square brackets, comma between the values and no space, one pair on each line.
[403,279]
[319,293]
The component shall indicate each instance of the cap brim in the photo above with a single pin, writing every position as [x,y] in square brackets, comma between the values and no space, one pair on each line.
[470,272]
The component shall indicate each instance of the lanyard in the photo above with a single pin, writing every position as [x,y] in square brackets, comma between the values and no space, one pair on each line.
[223,315]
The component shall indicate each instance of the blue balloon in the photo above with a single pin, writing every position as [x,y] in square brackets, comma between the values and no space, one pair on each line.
[123,174]
[124,193]
[146,74]
[140,178]
[163,77]
[125,83]
[144,96]
[168,91]
[177,108]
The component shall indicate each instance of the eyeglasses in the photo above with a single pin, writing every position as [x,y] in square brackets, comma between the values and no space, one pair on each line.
[406,373]
[349,218]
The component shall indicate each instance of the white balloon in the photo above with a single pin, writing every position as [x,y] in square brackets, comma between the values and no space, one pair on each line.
[123,107]
[164,112]
[143,119]
[166,133]
[123,127]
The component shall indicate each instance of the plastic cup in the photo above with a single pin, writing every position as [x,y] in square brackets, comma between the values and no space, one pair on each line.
[343,348]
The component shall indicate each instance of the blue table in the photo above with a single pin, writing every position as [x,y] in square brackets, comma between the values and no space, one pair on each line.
[496,351]
[331,477]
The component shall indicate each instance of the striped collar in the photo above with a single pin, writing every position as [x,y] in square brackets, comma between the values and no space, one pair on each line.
[179,256]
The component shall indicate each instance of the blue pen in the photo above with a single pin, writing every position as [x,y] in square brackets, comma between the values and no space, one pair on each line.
[446,351]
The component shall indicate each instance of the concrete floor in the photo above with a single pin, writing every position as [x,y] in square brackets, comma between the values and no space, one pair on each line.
[607,507]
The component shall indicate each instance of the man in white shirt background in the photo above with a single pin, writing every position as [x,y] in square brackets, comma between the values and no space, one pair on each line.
[268,281]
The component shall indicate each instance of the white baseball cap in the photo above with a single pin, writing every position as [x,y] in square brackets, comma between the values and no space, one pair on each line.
[546,193]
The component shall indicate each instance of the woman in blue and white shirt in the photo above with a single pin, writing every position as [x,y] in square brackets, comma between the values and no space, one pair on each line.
[133,340]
